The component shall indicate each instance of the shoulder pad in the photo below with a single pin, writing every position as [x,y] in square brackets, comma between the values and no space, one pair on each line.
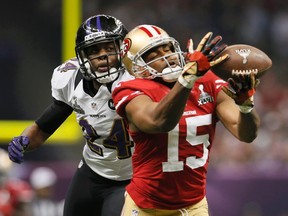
[64,73]
[70,65]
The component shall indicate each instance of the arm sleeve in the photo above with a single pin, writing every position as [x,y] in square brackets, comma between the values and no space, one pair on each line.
[54,116]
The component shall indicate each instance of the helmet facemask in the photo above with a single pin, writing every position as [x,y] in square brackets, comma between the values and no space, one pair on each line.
[173,69]
[141,40]
[86,66]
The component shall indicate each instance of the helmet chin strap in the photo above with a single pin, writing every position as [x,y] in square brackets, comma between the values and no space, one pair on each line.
[104,78]
[88,75]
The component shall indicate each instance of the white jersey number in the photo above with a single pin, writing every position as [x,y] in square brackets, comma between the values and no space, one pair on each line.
[173,164]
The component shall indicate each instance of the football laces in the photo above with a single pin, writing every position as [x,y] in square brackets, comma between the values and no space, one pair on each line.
[244,72]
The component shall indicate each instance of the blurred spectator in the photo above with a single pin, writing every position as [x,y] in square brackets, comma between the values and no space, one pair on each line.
[43,180]
[15,194]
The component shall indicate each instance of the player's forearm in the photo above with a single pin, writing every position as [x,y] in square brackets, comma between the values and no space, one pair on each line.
[169,110]
[36,136]
[248,126]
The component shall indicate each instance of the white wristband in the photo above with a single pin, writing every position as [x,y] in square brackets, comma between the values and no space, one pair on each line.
[185,83]
[245,109]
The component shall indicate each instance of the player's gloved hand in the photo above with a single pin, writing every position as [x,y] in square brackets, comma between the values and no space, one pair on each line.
[199,61]
[242,90]
[17,147]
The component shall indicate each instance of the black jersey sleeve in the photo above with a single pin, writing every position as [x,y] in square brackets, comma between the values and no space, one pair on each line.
[53,116]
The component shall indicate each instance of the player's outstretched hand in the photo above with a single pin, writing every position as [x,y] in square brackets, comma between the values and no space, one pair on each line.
[199,61]
[17,147]
[242,90]
[206,50]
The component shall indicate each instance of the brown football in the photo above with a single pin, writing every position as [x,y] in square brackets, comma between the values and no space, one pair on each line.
[243,58]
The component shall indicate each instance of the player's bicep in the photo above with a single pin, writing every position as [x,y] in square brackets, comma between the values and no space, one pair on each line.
[139,112]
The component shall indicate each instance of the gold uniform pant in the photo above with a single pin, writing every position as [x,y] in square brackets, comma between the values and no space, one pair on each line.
[131,209]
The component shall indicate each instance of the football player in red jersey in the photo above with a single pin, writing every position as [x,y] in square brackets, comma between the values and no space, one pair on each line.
[15,194]
[172,107]
[84,85]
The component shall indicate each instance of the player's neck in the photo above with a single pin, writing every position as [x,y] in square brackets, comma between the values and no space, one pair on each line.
[96,84]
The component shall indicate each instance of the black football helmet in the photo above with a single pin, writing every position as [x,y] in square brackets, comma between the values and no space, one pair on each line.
[94,30]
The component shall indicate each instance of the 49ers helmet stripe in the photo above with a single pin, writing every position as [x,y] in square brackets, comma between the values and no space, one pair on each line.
[150,30]
[143,38]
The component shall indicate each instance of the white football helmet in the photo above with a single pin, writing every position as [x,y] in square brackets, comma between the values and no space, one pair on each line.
[141,39]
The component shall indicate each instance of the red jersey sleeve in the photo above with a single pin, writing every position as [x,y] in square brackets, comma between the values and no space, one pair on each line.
[127,90]
[122,94]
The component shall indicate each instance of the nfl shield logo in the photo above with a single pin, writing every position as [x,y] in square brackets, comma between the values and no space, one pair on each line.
[135,212]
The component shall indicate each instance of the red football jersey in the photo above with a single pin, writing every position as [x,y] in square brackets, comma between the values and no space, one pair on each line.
[169,169]
[12,193]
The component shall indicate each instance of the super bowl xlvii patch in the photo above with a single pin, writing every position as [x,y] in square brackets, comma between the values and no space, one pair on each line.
[76,107]
[204,97]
